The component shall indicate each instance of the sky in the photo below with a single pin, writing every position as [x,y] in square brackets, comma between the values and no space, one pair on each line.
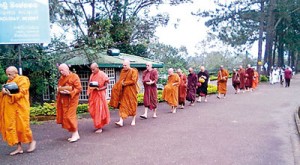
[190,30]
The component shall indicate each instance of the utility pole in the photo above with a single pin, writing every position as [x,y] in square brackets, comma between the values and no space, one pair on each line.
[20,60]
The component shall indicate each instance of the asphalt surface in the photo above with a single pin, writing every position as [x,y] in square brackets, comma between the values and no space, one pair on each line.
[252,128]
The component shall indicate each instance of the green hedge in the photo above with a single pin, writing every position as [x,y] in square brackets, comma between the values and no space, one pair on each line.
[49,109]
[211,89]
[263,78]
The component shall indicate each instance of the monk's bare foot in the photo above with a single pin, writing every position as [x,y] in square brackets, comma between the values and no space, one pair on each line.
[174,110]
[99,130]
[16,152]
[143,116]
[154,116]
[133,123]
[32,146]
[75,137]
[120,124]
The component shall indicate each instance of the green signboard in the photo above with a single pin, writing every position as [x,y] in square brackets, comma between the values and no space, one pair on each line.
[24,21]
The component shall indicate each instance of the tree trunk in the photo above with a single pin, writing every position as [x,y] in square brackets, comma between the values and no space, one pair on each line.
[280,61]
[270,34]
[260,39]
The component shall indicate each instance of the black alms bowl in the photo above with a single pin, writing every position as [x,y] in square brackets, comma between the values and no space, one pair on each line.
[94,84]
[12,87]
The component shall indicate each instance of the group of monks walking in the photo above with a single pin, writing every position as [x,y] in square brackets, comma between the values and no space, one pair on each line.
[15,107]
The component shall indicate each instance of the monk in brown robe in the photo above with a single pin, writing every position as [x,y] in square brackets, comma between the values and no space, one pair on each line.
[182,88]
[69,88]
[222,82]
[170,92]
[249,78]
[124,93]
[149,79]
[14,113]
[242,73]
[98,106]
[192,86]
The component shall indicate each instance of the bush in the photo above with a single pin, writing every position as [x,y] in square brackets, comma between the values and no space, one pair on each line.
[82,108]
[140,97]
[211,89]
[213,78]
[263,78]
[49,109]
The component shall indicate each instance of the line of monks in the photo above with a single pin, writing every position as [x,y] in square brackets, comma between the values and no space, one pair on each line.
[15,107]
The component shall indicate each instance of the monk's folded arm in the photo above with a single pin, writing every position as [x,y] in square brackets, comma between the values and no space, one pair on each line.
[77,88]
[131,81]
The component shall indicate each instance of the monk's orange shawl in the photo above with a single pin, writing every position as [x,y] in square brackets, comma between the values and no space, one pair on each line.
[66,107]
[14,113]
[124,93]
[98,107]
[255,80]
[170,92]
[222,81]
[182,89]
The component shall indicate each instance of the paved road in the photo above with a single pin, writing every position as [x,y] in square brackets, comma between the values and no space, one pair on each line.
[253,128]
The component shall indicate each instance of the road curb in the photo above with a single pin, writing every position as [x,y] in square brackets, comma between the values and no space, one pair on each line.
[297,120]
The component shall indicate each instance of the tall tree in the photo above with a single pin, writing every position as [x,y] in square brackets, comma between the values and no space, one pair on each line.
[126,23]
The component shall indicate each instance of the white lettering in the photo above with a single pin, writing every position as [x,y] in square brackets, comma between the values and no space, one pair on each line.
[4,5]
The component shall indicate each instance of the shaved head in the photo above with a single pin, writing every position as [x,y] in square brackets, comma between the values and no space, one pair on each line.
[170,71]
[149,66]
[202,68]
[95,65]
[12,69]
[64,69]
[94,68]
[11,72]
[126,64]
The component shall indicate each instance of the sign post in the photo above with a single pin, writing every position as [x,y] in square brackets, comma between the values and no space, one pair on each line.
[24,21]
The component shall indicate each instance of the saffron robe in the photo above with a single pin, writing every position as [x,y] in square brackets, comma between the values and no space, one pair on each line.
[202,90]
[66,106]
[124,93]
[222,81]
[15,112]
[249,77]
[98,106]
[170,92]
[192,87]
[255,80]
[242,73]
[150,91]
[182,89]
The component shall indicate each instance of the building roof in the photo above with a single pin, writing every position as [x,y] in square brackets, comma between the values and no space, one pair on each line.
[108,61]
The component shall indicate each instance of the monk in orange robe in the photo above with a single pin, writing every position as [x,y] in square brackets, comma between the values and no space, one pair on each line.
[170,92]
[124,93]
[255,79]
[69,88]
[182,88]
[15,112]
[98,107]
[222,82]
